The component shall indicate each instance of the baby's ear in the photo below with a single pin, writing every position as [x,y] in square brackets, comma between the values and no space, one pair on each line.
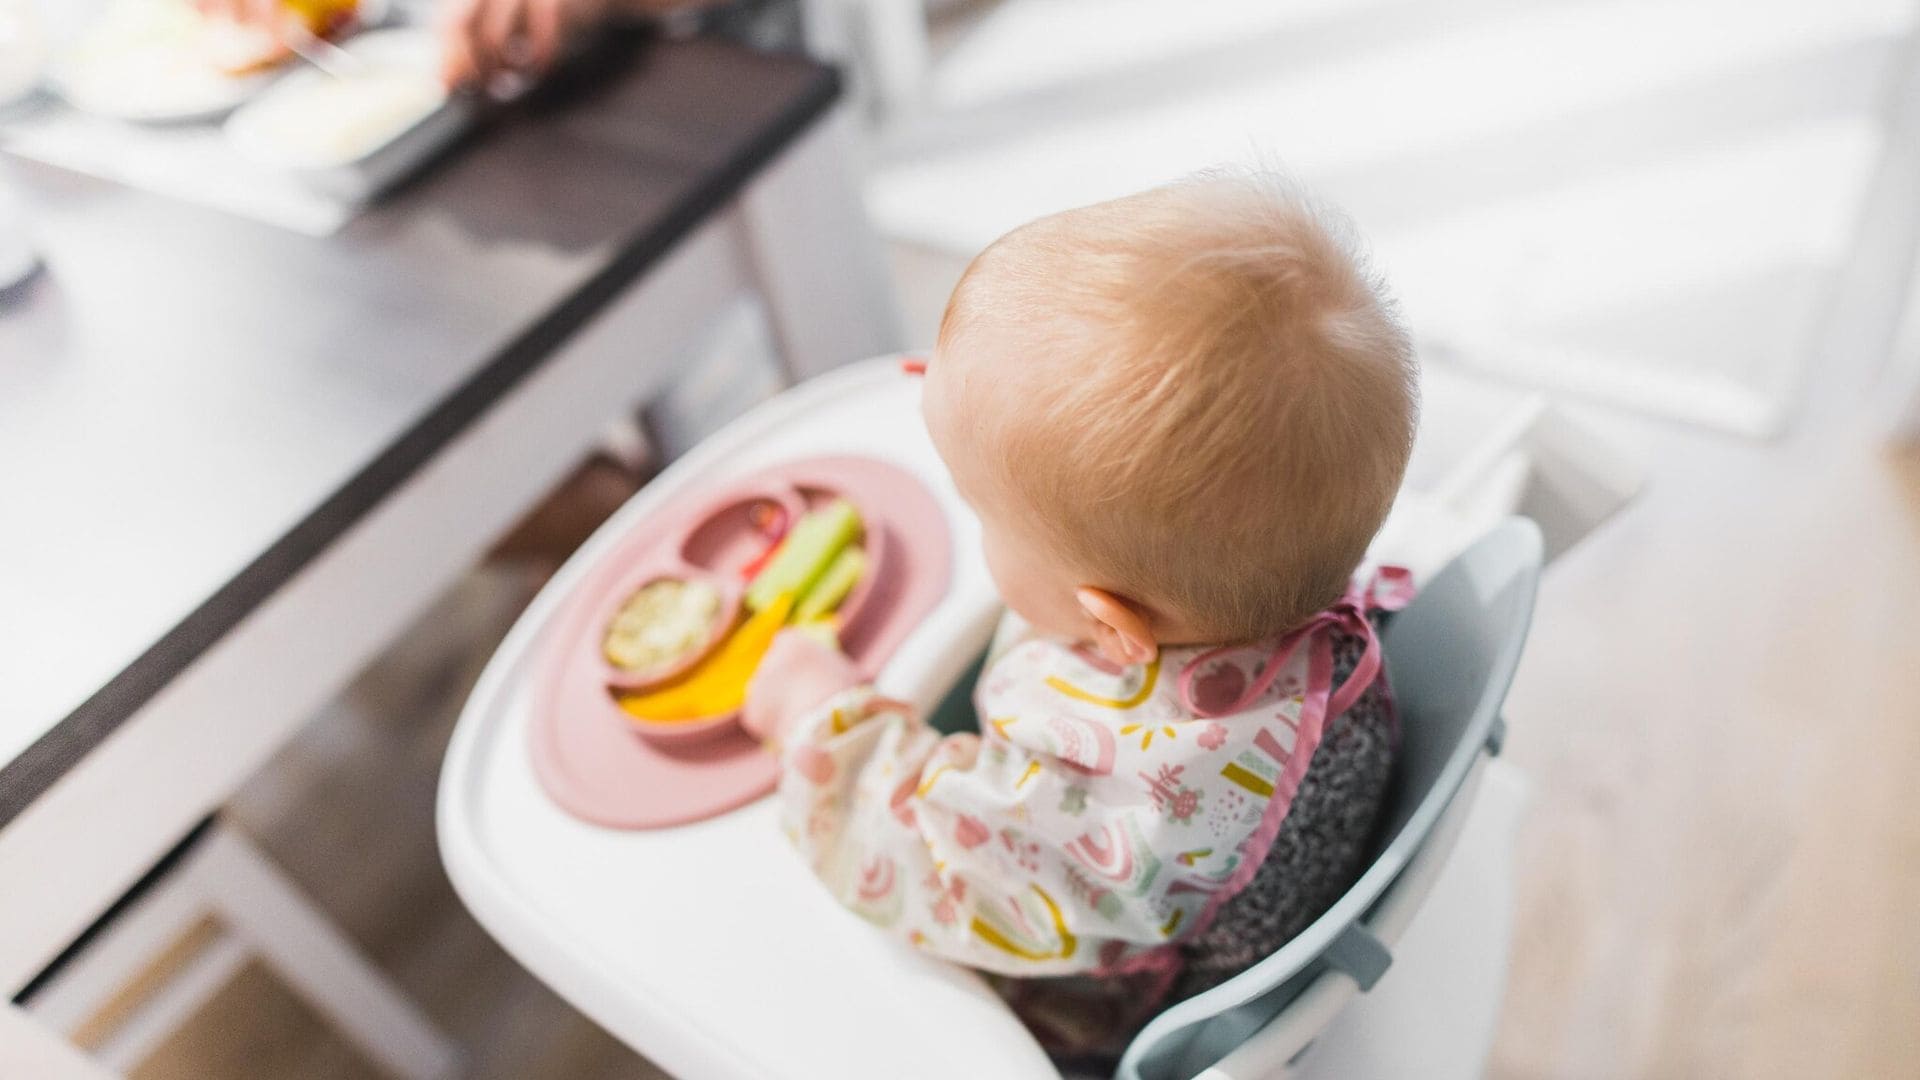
[1120,627]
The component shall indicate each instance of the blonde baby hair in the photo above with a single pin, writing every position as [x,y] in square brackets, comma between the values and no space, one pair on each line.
[1212,396]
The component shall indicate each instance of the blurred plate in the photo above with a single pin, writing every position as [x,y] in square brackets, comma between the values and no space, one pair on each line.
[350,136]
[161,61]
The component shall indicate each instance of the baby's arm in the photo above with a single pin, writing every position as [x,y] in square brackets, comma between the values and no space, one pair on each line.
[991,850]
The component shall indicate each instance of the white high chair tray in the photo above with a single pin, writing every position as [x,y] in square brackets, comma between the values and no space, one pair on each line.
[708,947]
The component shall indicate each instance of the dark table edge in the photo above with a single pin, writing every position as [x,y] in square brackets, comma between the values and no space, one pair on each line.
[40,765]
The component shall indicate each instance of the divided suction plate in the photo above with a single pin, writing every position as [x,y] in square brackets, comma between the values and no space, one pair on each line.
[588,754]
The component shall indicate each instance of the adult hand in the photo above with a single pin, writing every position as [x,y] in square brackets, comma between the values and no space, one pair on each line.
[479,38]
[484,38]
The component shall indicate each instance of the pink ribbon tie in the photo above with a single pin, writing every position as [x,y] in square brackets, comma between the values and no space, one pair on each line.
[1388,590]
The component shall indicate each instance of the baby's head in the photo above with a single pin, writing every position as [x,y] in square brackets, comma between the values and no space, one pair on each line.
[1181,416]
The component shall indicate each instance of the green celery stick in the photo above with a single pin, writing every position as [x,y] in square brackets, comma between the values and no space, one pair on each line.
[833,586]
[810,546]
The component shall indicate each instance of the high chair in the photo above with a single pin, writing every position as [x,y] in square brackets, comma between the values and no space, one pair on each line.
[710,948]
[1450,657]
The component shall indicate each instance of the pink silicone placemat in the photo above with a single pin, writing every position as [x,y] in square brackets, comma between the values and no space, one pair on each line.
[591,760]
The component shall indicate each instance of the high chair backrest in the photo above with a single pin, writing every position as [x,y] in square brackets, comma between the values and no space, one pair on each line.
[1450,658]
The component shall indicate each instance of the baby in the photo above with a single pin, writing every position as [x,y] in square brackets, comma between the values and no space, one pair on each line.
[1180,416]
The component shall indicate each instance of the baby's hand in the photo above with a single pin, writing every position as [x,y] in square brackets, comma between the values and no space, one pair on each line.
[798,672]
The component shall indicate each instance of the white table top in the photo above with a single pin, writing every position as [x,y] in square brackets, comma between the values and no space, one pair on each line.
[193,405]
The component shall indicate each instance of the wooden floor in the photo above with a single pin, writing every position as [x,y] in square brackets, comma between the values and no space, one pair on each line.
[1720,711]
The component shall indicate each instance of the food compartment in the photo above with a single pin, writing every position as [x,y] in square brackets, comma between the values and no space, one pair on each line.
[740,534]
[807,562]
[663,624]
